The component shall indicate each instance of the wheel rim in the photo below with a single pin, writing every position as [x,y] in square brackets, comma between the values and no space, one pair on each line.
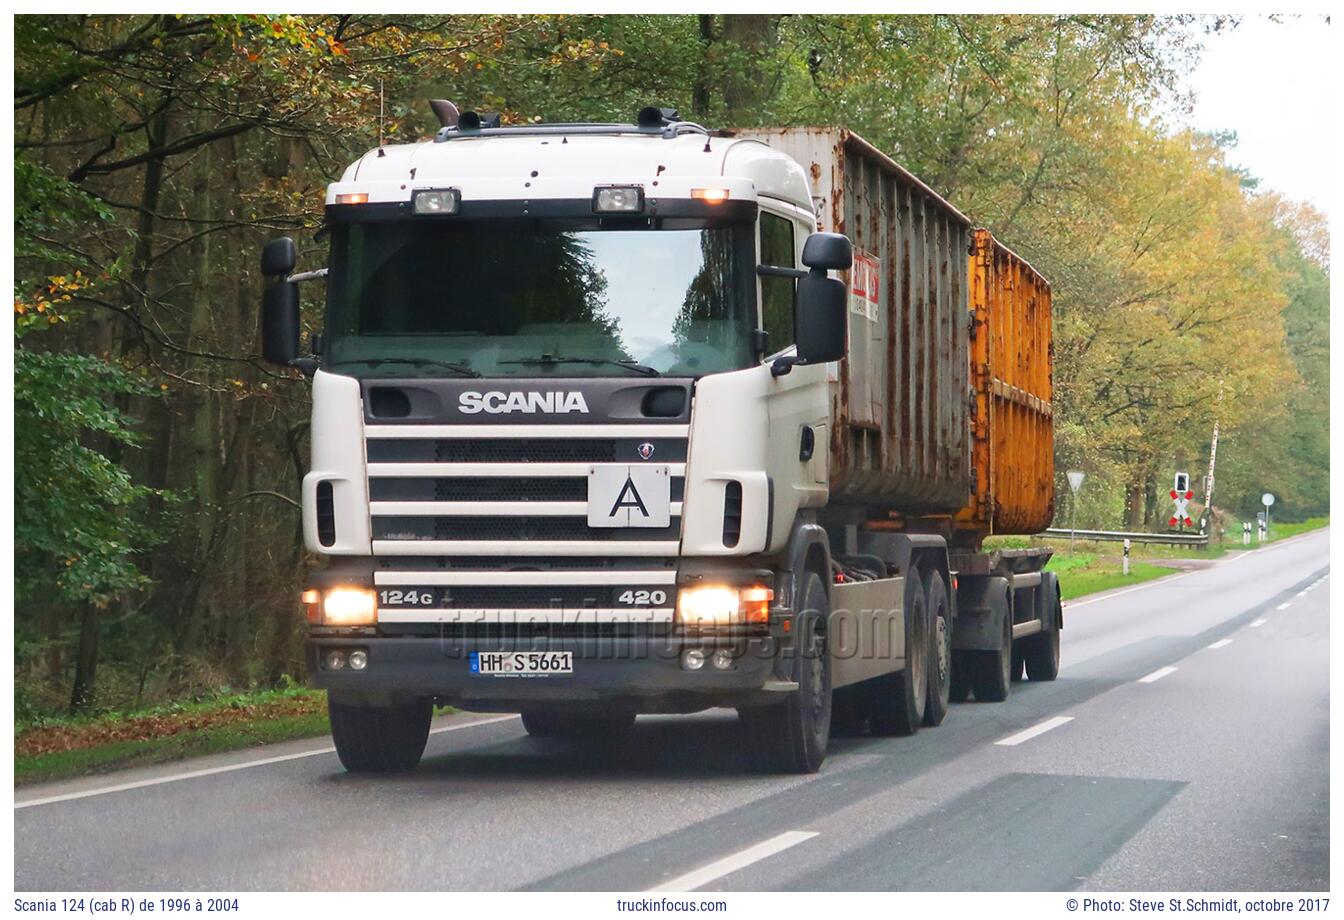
[944,650]
[817,672]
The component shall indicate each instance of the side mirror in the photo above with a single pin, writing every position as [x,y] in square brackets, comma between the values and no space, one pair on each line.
[280,322]
[821,318]
[828,252]
[278,257]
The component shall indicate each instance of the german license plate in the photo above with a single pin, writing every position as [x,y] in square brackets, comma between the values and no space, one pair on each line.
[522,664]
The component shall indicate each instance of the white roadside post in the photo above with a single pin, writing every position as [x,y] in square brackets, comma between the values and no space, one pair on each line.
[1267,499]
[1245,533]
[1076,478]
[1126,562]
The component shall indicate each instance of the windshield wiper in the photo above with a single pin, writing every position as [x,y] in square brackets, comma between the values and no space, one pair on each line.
[557,359]
[460,369]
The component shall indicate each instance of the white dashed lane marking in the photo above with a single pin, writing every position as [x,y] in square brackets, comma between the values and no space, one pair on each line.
[1039,729]
[1221,643]
[739,860]
[1156,675]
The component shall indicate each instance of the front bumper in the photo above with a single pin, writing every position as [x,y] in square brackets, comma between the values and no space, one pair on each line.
[641,673]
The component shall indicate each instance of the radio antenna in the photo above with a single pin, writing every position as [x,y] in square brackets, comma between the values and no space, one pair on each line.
[380,112]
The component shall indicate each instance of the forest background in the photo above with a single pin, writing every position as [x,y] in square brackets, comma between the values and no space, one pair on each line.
[157,459]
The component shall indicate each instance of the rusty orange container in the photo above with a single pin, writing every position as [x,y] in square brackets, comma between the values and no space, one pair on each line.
[1012,422]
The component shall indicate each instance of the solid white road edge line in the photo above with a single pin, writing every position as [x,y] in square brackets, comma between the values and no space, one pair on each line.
[730,864]
[1164,580]
[1220,643]
[1041,729]
[1157,675]
[227,768]
[1256,624]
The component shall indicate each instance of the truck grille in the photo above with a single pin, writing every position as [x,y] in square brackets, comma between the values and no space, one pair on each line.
[485,529]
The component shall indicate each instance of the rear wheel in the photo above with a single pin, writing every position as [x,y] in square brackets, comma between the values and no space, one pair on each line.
[896,701]
[994,670]
[940,650]
[380,739]
[551,724]
[1041,651]
[791,736]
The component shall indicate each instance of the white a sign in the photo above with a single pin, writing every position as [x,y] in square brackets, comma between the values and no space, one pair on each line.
[629,496]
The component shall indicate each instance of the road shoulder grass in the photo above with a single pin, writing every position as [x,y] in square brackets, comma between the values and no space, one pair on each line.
[62,748]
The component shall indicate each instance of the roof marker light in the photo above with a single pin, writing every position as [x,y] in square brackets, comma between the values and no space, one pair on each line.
[711,195]
[353,198]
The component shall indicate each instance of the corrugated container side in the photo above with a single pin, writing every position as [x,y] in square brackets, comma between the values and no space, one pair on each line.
[1012,423]
[901,405]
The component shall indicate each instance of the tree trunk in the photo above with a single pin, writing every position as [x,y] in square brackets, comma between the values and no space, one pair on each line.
[86,662]
[747,85]
[700,92]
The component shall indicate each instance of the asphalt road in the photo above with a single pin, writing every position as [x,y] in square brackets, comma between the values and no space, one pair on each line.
[1185,746]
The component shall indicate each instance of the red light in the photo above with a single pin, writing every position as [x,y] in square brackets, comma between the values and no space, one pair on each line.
[1172,522]
[1173,493]
[1189,494]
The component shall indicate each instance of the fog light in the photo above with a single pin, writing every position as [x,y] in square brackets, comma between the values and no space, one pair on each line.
[359,660]
[693,659]
[436,201]
[335,660]
[723,659]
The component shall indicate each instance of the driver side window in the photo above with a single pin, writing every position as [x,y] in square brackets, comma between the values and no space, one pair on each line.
[777,249]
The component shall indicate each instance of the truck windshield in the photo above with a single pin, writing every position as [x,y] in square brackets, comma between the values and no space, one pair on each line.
[538,298]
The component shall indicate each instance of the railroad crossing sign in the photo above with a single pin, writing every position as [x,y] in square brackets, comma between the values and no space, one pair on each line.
[1181,495]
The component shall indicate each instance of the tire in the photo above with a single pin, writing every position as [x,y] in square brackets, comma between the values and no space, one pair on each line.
[791,736]
[940,649]
[1041,651]
[896,701]
[380,739]
[993,673]
[543,724]
[963,671]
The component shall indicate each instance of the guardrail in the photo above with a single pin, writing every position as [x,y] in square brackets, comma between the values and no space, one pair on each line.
[1117,536]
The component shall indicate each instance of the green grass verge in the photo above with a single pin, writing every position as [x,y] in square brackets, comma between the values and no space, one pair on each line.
[1081,574]
[1279,531]
[144,752]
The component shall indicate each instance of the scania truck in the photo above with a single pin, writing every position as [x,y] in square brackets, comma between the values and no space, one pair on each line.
[614,419]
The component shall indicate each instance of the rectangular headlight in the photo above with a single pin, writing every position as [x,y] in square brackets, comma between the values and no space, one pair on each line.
[619,199]
[349,605]
[436,200]
[723,605]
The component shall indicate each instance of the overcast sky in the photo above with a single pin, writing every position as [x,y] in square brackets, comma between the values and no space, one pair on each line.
[1271,82]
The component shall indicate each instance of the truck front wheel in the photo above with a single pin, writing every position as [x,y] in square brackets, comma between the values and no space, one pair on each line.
[940,650]
[380,739]
[791,736]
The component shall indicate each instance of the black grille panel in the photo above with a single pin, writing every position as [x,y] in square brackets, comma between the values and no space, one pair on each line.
[326,514]
[732,513]
[537,450]
[524,564]
[512,528]
[500,489]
